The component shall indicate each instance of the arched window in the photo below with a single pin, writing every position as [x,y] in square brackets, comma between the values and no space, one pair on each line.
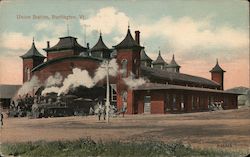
[124,67]
[27,70]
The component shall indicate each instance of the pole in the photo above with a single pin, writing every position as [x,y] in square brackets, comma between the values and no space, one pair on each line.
[85,31]
[107,94]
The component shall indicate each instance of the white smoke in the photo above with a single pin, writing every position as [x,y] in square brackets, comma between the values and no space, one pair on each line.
[52,89]
[29,86]
[131,82]
[82,78]
[78,78]
[101,70]
[54,80]
[52,83]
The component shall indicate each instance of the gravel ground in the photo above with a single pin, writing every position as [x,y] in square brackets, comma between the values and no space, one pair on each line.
[229,129]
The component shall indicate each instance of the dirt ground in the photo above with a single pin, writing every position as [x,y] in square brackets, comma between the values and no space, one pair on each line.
[228,129]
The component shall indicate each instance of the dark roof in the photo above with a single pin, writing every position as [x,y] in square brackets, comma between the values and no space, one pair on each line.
[173,63]
[66,43]
[128,42]
[159,59]
[100,46]
[144,56]
[157,86]
[55,60]
[217,68]
[33,52]
[177,77]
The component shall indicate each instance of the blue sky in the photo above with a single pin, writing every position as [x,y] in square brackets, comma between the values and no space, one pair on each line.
[197,32]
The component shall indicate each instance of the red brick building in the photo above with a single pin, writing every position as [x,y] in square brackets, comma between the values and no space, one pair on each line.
[166,91]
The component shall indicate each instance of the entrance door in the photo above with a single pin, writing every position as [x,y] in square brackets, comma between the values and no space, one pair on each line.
[147,104]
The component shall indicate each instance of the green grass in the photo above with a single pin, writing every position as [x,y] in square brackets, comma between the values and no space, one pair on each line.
[88,147]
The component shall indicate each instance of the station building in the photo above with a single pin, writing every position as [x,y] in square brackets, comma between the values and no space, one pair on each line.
[166,91]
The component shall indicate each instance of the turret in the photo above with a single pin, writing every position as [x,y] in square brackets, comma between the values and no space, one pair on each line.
[145,60]
[173,66]
[128,59]
[100,50]
[217,75]
[31,59]
[159,63]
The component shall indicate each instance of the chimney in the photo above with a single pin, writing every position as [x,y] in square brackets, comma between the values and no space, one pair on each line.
[137,37]
[48,46]
[87,45]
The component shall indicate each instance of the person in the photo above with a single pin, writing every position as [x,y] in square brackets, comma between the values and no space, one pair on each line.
[104,113]
[99,111]
[91,111]
[1,119]
[124,108]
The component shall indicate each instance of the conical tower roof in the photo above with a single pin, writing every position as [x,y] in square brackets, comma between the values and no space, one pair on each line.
[128,42]
[144,56]
[173,63]
[32,52]
[159,59]
[217,68]
[100,46]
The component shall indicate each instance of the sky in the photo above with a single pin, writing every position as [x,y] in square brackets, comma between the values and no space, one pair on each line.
[196,32]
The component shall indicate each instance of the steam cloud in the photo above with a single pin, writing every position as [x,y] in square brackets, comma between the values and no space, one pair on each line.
[78,78]
[131,82]
[52,83]
[81,78]
[29,86]
[55,80]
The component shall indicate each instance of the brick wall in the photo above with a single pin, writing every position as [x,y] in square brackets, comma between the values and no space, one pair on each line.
[59,54]
[218,77]
[65,68]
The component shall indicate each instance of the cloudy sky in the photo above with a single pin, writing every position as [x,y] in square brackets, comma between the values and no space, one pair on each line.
[197,32]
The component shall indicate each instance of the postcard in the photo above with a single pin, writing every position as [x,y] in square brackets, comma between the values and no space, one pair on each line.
[124,78]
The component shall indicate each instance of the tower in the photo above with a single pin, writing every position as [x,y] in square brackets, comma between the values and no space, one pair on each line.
[217,75]
[159,63]
[31,59]
[173,66]
[145,60]
[128,59]
[100,50]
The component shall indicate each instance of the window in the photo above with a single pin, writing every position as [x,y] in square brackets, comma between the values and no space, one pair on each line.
[124,67]
[182,102]
[147,104]
[174,102]
[168,107]
[28,74]
[113,93]
[192,100]
[197,102]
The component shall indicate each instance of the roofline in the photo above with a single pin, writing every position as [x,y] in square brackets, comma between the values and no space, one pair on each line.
[164,78]
[55,60]
[61,49]
[178,87]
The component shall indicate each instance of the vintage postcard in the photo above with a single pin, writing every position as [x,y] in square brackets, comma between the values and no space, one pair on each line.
[124,78]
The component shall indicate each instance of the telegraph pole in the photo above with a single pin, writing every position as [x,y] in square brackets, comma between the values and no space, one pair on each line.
[107,104]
